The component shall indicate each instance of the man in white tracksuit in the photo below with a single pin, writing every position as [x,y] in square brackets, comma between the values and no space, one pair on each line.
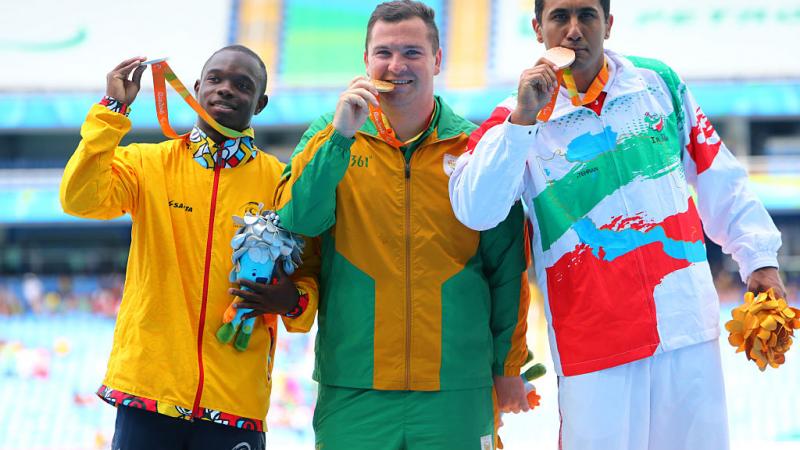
[619,252]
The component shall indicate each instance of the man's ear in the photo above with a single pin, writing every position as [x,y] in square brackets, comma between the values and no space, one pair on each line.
[262,103]
[537,28]
[196,87]
[608,25]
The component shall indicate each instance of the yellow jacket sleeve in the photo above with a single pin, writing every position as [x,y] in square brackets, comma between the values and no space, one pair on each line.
[101,178]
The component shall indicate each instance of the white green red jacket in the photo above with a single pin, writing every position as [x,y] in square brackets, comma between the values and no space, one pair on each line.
[618,238]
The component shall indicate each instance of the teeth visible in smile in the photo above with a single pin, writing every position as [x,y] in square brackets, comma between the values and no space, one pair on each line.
[400,81]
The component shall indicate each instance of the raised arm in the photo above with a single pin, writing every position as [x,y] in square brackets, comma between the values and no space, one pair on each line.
[100,180]
[306,194]
[489,177]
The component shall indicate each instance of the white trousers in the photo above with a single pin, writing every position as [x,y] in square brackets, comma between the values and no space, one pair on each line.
[671,401]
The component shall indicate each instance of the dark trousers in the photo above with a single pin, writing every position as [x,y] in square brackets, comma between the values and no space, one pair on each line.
[137,429]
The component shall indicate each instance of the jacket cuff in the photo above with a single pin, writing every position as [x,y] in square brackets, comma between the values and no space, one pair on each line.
[757,262]
[302,304]
[506,371]
[341,141]
[116,106]
[520,134]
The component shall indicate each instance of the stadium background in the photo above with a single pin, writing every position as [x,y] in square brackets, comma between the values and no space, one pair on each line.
[61,278]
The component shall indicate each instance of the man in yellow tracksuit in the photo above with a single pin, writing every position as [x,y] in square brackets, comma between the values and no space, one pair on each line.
[181,195]
[418,315]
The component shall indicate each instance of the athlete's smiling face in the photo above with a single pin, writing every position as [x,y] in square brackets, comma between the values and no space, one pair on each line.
[402,53]
[231,90]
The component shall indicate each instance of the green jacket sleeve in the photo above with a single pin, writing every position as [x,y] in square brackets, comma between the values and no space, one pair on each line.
[306,193]
[100,180]
[506,259]
[306,278]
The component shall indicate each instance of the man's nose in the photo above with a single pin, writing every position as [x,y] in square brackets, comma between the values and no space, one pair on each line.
[224,88]
[397,64]
[574,31]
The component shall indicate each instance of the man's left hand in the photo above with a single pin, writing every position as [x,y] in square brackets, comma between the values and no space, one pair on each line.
[764,278]
[277,298]
[511,394]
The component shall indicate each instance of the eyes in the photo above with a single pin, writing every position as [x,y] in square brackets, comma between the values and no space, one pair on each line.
[583,15]
[411,53]
[240,83]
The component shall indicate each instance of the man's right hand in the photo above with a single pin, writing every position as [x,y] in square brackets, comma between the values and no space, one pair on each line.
[353,107]
[119,87]
[536,86]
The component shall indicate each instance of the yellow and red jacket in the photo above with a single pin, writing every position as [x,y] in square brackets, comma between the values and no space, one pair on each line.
[410,299]
[165,356]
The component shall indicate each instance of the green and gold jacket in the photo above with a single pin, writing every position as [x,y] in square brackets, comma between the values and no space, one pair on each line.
[410,299]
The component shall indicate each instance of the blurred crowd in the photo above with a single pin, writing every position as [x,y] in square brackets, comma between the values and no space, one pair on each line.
[101,294]
[42,295]
[731,289]
[54,332]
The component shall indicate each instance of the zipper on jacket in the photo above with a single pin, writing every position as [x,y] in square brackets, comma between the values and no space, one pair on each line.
[408,271]
[206,270]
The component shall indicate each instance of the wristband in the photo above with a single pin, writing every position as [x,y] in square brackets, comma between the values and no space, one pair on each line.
[115,105]
[302,304]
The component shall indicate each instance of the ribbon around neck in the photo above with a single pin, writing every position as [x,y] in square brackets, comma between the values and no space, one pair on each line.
[161,72]
[565,77]
[387,133]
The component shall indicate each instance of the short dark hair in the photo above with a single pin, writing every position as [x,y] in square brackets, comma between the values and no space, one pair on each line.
[539,8]
[399,10]
[242,49]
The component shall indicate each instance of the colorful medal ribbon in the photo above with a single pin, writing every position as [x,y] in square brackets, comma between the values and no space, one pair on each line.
[162,71]
[565,77]
[385,132]
[547,111]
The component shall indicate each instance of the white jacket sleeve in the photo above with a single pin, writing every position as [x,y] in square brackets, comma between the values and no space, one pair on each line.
[732,215]
[489,177]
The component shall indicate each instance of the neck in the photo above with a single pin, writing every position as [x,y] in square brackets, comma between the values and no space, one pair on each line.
[584,78]
[409,121]
[212,134]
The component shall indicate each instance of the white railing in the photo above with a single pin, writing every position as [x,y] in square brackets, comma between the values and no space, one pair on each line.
[772,164]
[19,178]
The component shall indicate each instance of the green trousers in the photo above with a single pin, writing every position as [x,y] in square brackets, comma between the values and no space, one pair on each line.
[367,419]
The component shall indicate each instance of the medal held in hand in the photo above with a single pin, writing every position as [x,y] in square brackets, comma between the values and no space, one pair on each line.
[562,58]
[376,113]
[259,246]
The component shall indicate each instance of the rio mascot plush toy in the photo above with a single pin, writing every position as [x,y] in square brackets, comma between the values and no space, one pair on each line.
[259,246]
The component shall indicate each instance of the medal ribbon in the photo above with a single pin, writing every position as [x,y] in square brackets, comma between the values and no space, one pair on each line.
[565,76]
[387,133]
[161,72]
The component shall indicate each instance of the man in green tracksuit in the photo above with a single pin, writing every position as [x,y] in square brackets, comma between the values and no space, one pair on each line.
[419,316]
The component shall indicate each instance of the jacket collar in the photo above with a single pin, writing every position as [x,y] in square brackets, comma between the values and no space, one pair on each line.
[230,153]
[623,79]
[445,124]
